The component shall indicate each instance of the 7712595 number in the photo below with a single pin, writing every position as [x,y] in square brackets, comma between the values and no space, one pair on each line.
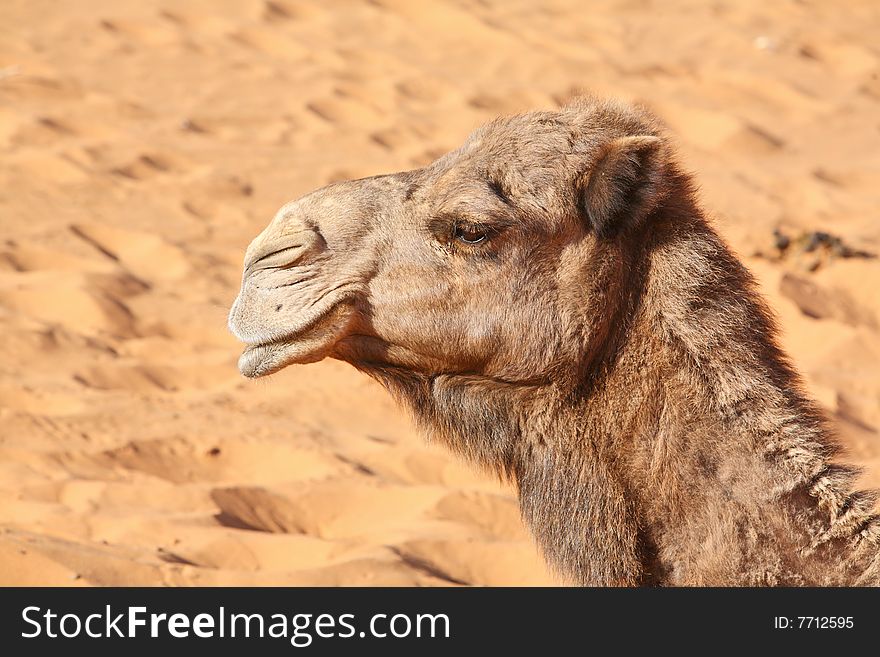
[813,622]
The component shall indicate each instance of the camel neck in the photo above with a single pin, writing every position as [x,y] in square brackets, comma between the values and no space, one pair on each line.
[704,459]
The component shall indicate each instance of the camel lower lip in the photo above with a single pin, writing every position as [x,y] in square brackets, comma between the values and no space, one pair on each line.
[264,359]
[260,360]
[307,346]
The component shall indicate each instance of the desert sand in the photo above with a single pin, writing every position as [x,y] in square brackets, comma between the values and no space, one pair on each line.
[144,144]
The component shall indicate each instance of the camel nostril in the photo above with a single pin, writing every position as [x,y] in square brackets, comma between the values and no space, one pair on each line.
[278,259]
[279,253]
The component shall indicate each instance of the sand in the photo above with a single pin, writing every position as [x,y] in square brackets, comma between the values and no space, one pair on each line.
[143,144]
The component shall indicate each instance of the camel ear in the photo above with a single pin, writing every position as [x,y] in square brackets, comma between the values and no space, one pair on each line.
[619,186]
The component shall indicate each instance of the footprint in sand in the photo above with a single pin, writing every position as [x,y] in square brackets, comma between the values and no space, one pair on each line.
[468,561]
[43,131]
[255,551]
[146,256]
[23,257]
[848,60]
[269,41]
[258,509]
[210,194]
[398,138]
[487,514]
[178,377]
[41,402]
[716,131]
[57,168]
[426,90]
[276,11]
[344,109]
[187,459]
[818,302]
[755,140]
[41,83]
[71,301]
[871,85]
[427,156]
[151,32]
[143,167]
[22,564]
[330,509]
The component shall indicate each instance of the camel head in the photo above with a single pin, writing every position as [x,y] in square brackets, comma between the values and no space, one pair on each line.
[496,260]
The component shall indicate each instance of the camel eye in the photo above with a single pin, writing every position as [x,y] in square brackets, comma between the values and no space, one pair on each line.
[470,234]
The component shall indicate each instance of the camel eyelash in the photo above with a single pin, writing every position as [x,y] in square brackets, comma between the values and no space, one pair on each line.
[472,233]
[460,233]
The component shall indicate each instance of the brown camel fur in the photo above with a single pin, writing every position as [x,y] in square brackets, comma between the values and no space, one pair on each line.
[551,302]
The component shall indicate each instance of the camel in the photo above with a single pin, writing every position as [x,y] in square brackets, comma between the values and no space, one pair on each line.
[551,302]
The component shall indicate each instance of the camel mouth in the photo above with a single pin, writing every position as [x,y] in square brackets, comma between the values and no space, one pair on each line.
[309,345]
[264,359]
